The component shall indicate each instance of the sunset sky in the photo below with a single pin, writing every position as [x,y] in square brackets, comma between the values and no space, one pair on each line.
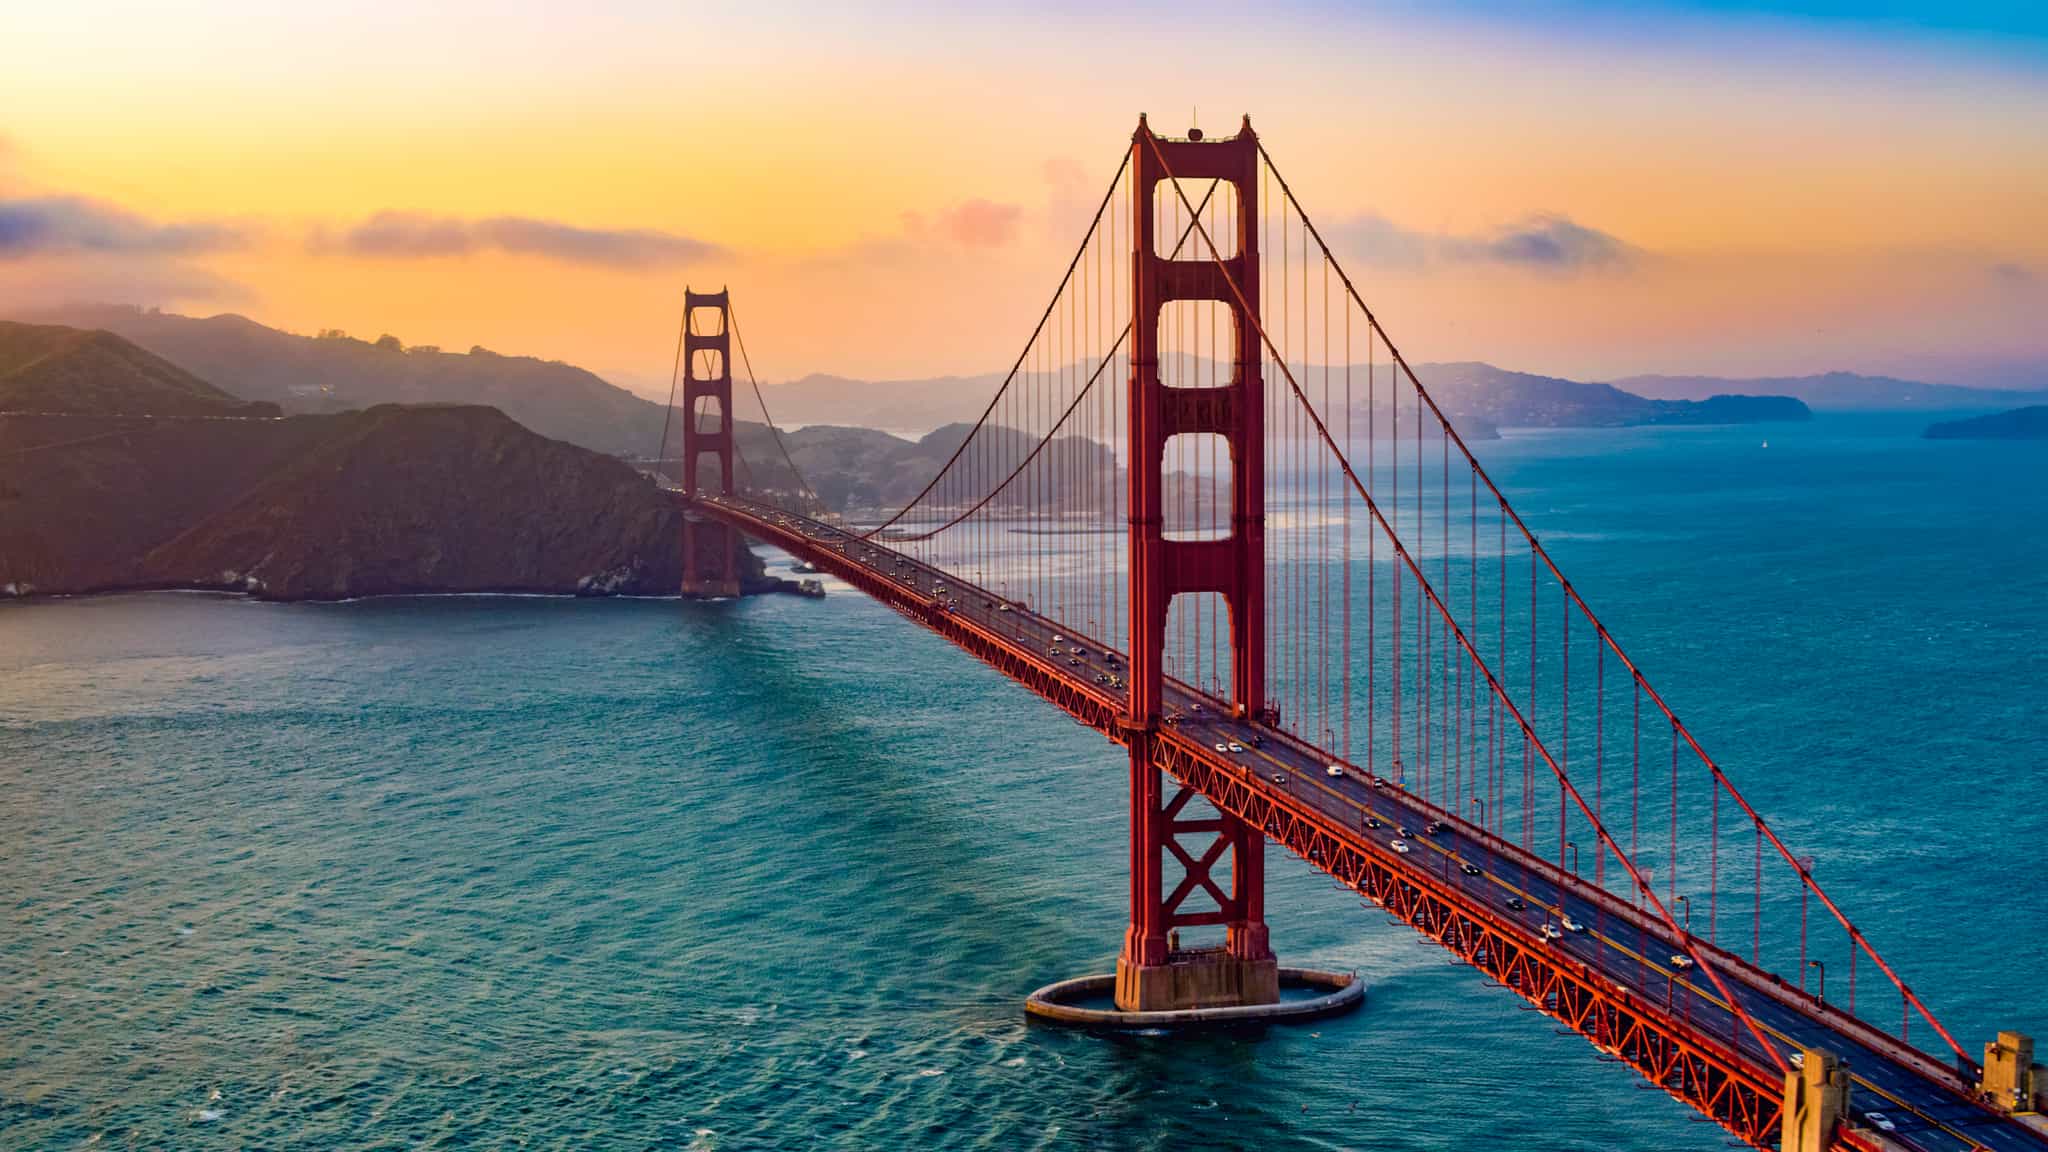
[891,189]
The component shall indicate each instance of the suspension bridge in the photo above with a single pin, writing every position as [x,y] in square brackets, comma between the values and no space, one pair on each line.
[1211,514]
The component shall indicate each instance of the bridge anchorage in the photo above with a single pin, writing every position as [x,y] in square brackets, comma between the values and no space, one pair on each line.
[1272,569]
[707,381]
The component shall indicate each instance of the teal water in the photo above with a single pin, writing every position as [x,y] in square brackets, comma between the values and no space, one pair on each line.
[526,873]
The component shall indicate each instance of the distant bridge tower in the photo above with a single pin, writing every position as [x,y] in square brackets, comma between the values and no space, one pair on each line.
[707,378]
[1152,973]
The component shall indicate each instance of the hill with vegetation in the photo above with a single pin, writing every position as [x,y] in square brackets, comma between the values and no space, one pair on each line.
[1506,399]
[390,499]
[1835,391]
[51,368]
[2029,423]
[333,372]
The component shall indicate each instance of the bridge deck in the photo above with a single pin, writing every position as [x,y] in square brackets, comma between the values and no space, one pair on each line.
[1612,982]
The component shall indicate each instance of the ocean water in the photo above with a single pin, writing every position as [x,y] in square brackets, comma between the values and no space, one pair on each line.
[533,873]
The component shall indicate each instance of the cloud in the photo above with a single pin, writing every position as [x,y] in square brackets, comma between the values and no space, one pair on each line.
[1552,243]
[1545,243]
[2012,273]
[1378,240]
[72,224]
[981,223]
[1067,179]
[404,235]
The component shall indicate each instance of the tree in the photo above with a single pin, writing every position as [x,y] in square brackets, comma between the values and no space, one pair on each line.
[389,343]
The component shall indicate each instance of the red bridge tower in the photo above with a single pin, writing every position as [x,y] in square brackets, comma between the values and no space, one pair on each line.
[707,376]
[1152,973]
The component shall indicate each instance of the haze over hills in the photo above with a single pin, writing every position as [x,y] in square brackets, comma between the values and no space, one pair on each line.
[334,372]
[118,492]
[1837,391]
[1479,398]
[2028,423]
[1510,399]
[910,406]
[49,368]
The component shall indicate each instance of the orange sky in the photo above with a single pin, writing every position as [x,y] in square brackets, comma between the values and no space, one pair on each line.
[892,192]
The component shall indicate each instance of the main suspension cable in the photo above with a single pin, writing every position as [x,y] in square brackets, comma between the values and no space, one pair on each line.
[732,317]
[1538,551]
[1065,279]
[1428,591]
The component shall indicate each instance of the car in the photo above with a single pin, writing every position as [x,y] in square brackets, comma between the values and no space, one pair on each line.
[1222,747]
[1550,932]
[1400,846]
[1681,961]
[1373,822]
[1880,1121]
[1514,904]
[1334,771]
[1076,661]
[1257,740]
[1380,783]
[1279,777]
[1405,833]
[1571,925]
[1078,651]
[1002,607]
[1470,869]
[1436,828]
[1236,747]
[1198,706]
[1059,639]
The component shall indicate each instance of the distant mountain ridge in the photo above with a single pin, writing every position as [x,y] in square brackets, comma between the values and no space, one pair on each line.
[1507,399]
[911,406]
[332,372]
[1837,391]
[2029,423]
[335,372]
[1479,398]
[50,368]
[125,475]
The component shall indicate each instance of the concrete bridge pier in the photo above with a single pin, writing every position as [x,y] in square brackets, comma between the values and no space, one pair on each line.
[2013,1083]
[1816,1101]
[701,585]
[1153,972]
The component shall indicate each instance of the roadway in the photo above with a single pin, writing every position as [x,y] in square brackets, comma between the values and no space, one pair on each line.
[1922,1099]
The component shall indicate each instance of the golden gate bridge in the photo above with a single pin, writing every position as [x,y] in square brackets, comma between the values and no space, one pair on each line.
[1212,514]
